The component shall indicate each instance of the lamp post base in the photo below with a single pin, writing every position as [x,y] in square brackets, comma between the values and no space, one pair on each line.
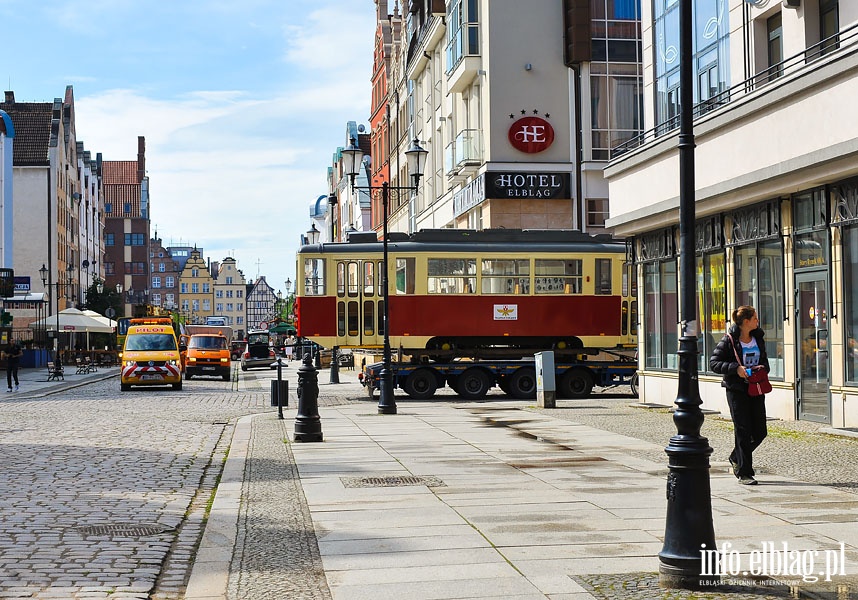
[386,401]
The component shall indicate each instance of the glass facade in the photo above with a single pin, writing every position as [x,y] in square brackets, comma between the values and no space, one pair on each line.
[711,305]
[710,55]
[616,76]
[660,315]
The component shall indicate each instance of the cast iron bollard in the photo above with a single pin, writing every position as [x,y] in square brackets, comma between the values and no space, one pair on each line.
[308,426]
[335,365]
[317,358]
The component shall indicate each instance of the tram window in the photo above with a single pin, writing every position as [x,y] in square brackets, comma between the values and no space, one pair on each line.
[341,280]
[452,275]
[405,275]
[603,277]
[368,278]
[624,323]
[314,276]
[505,276]
[368,317]
[380,317]
[354,280]
[341,318]
[634,322]
[554,276]
[353,318]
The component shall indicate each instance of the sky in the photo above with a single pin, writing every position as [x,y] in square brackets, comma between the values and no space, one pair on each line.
[242,105]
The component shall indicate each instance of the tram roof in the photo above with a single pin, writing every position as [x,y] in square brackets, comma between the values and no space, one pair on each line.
[471,240]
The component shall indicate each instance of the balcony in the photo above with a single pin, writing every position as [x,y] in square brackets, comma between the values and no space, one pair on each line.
[465,153]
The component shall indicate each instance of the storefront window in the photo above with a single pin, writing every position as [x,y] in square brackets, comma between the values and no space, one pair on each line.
[660,315]
[759,283]
[711,305]
[850,303]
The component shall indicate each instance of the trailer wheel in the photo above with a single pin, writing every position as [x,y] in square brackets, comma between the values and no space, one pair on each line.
[421,384]
[576,383]
[473,383]
[522,383]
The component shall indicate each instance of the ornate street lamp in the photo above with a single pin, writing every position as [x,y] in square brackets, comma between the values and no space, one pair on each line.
[352,163]
[688,526]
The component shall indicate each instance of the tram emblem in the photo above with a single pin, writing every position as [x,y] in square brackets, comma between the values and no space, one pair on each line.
[506,312]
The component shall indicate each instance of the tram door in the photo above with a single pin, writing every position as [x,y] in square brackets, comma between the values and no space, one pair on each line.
[359,303]
[814,381]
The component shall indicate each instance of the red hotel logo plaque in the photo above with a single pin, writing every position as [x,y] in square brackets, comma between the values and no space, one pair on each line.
[531,134]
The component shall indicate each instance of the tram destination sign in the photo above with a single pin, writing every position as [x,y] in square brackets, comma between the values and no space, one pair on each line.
[528,185]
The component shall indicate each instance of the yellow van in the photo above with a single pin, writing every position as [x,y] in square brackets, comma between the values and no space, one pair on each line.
[150,356]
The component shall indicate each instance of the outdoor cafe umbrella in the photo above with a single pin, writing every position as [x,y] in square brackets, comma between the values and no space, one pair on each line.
[100,318]
[71,320]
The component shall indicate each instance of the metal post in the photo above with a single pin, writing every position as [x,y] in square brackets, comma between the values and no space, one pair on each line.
[308,425]
[688,526]
[386,401]
[335,365]
[280,390]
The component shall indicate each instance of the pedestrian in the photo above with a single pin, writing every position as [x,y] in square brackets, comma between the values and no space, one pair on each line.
[13,353]
[743,341]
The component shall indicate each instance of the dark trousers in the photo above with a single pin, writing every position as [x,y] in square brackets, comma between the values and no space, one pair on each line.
[749,425]
[12,371]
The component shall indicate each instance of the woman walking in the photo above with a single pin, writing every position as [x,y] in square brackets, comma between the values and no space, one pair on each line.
[740,351]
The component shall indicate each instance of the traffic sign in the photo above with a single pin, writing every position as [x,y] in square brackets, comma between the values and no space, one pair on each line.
[110,312]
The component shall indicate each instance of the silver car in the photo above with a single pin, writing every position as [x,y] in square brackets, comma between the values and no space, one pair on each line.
[258,352]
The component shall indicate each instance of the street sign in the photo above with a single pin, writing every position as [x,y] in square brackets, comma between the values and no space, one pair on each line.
[110,312]
[263,325]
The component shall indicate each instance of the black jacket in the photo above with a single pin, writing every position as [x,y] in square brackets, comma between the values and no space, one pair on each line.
[723,359]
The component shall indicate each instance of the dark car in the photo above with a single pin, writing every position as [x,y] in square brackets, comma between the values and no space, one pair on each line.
[259,352]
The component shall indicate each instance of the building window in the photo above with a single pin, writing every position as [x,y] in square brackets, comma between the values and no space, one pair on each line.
[775,46]
[109,268]
[186,306]
[169,282]
[135,239]
[108,208]
[711,305]
[109,239]
[850,301]
[184,288]
[463,32]
[127,208]
[195,288]
[156,282]
[162,267]
[829,24]
[207,305]
[229,280]
[239,306]
[660,315]
[156,299]
[218,293]
[229,293]
[597,212]
[207,288]
[710,56]
[229,307]
[195,272]
[239,320]
[759,283]
[135,268]
[195,305]
[170,299]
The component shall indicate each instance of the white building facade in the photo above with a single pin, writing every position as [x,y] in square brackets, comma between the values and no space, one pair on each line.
[776,196]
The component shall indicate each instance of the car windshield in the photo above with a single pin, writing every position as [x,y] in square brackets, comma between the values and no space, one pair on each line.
[150,341]
[207,342]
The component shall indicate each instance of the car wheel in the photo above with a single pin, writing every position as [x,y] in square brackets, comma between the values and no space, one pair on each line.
[188,376]
[124,386]
[244,367]
[177,386]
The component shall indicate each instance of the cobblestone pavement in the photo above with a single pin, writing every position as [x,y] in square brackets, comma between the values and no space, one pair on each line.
[103,494]
[798,449]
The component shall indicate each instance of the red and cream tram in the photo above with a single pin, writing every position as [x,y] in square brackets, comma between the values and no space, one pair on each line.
[457,290]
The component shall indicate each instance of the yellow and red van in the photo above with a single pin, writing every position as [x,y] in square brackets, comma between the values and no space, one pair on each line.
[150,356]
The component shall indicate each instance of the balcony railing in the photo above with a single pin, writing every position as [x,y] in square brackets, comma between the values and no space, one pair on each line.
[791,65]
[466,150]
[465,43]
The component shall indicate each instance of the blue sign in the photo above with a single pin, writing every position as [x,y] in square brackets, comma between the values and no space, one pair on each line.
[22,284]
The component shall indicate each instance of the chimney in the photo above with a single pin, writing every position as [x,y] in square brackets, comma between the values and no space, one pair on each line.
[141,158]
[10,96]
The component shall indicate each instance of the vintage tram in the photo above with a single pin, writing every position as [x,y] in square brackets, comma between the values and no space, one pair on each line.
[456,292]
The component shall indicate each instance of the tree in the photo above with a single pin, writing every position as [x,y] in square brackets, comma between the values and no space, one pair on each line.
[107,298]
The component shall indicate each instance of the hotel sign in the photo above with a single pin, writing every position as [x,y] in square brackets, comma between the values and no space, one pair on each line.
[528,185]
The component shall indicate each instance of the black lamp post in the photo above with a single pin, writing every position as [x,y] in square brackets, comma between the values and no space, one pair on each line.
[688,526]
[332,203]
[352,163]
[59,285]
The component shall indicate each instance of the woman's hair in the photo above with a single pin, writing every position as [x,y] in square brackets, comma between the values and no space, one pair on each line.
[743,313]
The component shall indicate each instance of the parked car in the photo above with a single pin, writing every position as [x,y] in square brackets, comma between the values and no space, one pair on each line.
[236,349]
[208,354]
[259,352]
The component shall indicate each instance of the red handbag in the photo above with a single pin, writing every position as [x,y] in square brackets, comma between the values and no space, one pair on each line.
[758,381]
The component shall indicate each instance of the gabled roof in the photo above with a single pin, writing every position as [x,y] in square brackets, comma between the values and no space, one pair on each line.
[32,122]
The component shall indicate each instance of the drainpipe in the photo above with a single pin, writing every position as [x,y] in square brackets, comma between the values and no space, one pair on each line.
[579,151]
